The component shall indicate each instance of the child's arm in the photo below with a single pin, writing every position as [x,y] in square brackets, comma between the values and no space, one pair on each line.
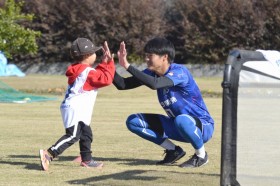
[107,56]
[103,74]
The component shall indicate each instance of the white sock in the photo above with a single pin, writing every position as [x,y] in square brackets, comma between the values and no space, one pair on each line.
[167,144]
[200,152]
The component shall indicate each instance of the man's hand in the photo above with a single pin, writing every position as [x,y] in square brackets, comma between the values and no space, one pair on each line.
[122,56]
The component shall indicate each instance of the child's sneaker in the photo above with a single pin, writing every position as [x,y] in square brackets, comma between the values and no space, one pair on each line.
[78,159]
[91,164]
[45,159]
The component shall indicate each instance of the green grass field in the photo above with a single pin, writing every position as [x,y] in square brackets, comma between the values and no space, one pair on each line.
[128,160]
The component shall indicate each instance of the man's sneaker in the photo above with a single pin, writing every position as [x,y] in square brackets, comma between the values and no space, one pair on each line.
[195,161]
[91,164]
[171,156]
[45,159]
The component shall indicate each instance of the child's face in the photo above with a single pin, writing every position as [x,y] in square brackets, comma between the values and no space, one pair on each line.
[91,59]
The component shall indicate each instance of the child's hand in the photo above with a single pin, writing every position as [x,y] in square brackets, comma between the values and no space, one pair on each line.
[107,56]
[122,56]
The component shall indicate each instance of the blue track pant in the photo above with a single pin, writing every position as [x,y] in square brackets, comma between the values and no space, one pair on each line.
[156,128]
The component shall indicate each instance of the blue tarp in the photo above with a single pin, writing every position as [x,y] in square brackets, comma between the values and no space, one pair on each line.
[9,69]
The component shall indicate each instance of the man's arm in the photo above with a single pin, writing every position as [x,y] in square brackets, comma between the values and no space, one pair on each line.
[151,82]
[125,83]
[141,77]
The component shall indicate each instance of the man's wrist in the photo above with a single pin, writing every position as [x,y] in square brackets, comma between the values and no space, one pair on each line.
[126,66]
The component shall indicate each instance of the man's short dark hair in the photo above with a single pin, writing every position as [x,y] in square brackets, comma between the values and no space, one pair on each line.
[160,46]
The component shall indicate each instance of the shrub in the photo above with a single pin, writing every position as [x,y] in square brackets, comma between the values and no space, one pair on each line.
[207,30]
[61,22]
[14,38]
[202,31]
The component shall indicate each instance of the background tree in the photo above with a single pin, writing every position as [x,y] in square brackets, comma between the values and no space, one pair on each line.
[202,31]
[14,38]
[61,22]
[206,31]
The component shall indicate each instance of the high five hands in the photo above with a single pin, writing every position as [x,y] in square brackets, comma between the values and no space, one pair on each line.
[107,56]
[122,56]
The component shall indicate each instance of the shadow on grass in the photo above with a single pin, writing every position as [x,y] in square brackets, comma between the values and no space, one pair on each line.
[19,160]
[126,175]
[16,160]
[129,176]
[124,161]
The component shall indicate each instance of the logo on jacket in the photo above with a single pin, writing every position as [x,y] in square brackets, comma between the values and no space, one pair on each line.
[168,102]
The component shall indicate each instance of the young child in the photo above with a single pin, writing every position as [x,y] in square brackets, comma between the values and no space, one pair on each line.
[77,106]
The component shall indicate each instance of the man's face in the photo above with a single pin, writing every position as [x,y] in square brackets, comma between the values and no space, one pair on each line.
[155,61]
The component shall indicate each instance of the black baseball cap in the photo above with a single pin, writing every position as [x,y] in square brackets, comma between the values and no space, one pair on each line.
[83,46]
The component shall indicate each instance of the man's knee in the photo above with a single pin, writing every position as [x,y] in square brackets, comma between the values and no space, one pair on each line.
[184,121]
[132,121]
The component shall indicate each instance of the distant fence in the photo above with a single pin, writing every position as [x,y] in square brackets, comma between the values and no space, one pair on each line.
[198,70]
